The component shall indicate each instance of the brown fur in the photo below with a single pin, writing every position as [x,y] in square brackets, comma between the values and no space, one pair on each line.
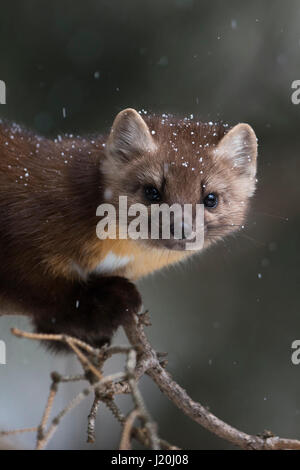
[49,193]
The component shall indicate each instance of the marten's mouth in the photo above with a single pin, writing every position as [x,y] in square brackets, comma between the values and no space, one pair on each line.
[174,244]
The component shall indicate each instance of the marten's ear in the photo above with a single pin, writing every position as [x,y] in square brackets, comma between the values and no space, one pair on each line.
[239,145]
[129,136]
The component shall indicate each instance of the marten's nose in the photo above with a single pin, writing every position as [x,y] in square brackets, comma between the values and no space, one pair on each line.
[182,231]
[172,231]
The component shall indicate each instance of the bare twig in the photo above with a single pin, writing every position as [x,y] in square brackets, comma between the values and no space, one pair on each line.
[47,411]
[72,404]
[139,402]
[92,419]
[17,431]
[50,337]
[125,443]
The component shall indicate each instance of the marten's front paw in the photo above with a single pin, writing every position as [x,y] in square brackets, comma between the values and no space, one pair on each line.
[116,299]
[102,305]
[112,302]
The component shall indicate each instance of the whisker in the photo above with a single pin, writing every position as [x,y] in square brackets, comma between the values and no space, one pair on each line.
[211,227]
[274,216]
[217,231]
[254,240]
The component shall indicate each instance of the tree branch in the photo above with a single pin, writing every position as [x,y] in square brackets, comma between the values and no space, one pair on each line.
[196,411]
[141,359]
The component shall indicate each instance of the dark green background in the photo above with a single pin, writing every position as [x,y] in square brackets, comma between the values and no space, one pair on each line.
[227,330]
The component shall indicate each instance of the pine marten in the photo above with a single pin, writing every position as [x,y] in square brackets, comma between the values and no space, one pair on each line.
[53,267]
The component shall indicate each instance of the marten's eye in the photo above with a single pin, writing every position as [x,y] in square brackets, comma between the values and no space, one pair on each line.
[211,201]
[152,193]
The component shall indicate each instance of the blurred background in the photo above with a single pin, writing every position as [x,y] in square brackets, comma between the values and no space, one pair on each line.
[227,318]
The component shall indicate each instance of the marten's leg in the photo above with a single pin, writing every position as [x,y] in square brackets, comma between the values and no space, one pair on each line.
[91,311]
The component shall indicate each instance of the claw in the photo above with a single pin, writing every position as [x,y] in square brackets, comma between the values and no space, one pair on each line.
[161,354]
[266,434]
[163,363]
[144,318]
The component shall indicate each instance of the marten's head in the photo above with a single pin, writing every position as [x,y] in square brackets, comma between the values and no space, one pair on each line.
[160,159]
